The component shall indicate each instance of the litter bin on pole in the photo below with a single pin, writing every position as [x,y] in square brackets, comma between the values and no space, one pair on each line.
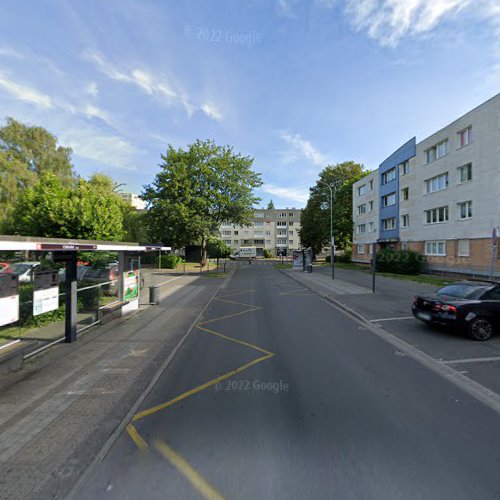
[154,295]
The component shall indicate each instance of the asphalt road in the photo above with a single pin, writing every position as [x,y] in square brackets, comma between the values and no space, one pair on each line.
[320,408]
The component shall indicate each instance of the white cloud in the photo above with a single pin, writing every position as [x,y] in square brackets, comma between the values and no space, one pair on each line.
[300,195]
[92,89]
[285,8]
[9,52]
[388,21]
[25,93]
[94,145]
[304,148]
[211,111]
[152,85]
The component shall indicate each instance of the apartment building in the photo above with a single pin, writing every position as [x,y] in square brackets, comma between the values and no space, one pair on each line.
[134,200]
[444,201]
[273,229]
[366,215]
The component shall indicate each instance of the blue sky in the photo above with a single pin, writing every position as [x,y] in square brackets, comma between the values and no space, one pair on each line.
[294,84]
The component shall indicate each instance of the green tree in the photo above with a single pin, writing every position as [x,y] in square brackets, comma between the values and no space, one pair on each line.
[105,183]
[217,249]
[136,226]
[26,153]
[196,190]
[315,220]
[52,209]
[270,205]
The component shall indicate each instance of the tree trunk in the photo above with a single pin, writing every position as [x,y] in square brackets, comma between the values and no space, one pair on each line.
[203,252]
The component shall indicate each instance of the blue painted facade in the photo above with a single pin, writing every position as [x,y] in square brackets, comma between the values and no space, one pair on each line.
[405,152]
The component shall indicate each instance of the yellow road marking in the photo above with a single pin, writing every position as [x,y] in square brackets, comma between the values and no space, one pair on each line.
[235,293]
[227,316]
[237,303]
[137,438]
[157,408]
[205,489]
[234,340]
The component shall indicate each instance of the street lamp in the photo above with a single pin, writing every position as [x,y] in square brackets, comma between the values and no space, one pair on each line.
[331,187]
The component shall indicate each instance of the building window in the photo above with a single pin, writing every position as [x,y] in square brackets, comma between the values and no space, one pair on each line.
[463,248]
[389,223]
[281,241]
[268,215]
[405,194]
[389,200]
[246,242]
[268,242]
[281,224]
[465,173]
[236,233]
[236,241]
[282,214]
[258,223]
[361,248]
[465,210]
[258,242]
[437,151]
[362,209]
[226,233]
[290,223]
[370,226]
[227,242]
[464,137]
[290,242]
[282,232]
[371,185]
[435,248]
[361,228]
[290,233]
[290,214]
[436,215]
[405,220]
[246,233]
[370,248]
[258,233]
[404,168]
[259,214]
[389,176]
[362,190]
[404,245]
[437,183]
[268,233]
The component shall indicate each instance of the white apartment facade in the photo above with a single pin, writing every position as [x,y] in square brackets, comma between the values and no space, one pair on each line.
[134,200]
[366,215]
[448,202]
[271,229]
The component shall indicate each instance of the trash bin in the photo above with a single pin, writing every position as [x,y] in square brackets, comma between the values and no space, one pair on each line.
[309,268]
[154,295]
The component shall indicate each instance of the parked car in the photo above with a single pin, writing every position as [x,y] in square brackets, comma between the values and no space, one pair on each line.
[81,270]
[107,274]
[5,267]
[472,307]
[23,270]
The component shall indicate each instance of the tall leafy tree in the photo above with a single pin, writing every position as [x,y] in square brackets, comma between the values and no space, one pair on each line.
[196,190]
[315,220]
[270,205]
[52,209]
[217,249]
[26,153]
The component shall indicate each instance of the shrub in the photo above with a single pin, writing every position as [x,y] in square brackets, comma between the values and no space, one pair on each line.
[328,259]
[170,261]
[267,253]
[345,258]
[399,261]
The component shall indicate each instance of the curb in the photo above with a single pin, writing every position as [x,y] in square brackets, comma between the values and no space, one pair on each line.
[133,410]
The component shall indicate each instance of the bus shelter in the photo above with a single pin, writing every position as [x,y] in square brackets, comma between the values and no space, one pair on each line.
[63,254]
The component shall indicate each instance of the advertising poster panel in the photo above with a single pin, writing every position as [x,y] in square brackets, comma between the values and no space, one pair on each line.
[297,260]
[131,285]
[9,298]
[45,292]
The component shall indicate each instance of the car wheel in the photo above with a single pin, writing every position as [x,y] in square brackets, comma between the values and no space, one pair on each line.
[480,329]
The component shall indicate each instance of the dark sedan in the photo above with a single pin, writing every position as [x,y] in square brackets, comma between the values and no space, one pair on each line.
[472,307]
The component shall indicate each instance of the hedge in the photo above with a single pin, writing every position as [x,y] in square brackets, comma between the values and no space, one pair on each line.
[399,261]
[170,261]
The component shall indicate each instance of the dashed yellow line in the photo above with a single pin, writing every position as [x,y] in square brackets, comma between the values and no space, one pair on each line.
[205,489]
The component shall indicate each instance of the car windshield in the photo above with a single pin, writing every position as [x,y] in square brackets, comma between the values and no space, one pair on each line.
[20,268]
[463,291]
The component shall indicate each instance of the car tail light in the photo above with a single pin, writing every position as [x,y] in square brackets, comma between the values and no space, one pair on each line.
[445,308]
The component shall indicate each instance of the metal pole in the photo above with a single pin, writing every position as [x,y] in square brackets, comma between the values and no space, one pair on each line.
[71,299]
[332,243]
[374,265]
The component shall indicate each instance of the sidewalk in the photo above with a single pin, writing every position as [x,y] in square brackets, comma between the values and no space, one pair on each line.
[60,409]
[353,289]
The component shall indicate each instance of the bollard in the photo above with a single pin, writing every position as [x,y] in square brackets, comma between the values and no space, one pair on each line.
[154,295]
[310,268]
